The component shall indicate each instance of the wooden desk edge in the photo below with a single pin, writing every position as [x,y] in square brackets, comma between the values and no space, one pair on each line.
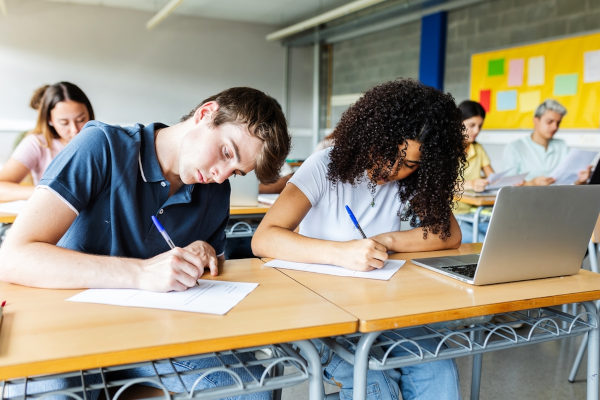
[476,311]
[175,350]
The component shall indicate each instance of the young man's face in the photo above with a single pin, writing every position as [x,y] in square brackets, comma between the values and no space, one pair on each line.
[547,125]
[212,154]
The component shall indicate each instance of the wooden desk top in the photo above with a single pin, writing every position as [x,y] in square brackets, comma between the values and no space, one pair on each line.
[415,296]
[477,200]
[42,333]
[7,218]
[238,210]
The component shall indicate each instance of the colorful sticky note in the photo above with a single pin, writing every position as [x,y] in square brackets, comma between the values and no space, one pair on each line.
[536,67]
[515,72]
[496,67]
[484,99]
[591,66]
[528,101]
[565,84]
[506,100]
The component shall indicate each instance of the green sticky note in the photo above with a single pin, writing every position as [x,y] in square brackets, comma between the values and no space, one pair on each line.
[565,84]
[496,67]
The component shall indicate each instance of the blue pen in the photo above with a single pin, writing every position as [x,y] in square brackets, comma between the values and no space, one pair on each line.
[163,232]
[355,222]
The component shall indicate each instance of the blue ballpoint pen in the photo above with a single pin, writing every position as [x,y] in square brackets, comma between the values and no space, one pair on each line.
[163,232]
[355,222]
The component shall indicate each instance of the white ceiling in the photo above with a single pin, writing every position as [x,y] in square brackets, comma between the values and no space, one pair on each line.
[272,12]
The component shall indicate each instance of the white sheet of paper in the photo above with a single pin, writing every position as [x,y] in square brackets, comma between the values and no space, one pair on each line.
[506,181]
[268,198]
[591,66]
[389,269]
[211,297]
[12,207]
[566,171]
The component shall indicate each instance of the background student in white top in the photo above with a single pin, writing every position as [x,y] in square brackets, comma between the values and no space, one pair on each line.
[539,153]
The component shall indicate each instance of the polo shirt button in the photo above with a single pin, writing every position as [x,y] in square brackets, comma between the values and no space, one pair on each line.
[163,184]
[161,211]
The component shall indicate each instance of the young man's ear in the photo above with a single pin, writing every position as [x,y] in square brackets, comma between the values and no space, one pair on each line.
[205,111]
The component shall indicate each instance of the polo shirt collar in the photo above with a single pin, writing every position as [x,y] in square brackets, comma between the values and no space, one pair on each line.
[150,168]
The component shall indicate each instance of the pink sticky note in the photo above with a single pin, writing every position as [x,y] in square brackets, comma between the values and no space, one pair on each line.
[515,72]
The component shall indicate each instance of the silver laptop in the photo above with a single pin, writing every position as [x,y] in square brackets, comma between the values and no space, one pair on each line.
[534,232]
[244,190]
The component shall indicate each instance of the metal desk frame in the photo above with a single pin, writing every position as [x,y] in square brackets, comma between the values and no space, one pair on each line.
[371,350]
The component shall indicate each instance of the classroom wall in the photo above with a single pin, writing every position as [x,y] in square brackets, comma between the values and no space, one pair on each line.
[362,62]
[129,73]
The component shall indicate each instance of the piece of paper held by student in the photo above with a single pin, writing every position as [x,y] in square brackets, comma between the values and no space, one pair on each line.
[389,269]
[211,297]
[506,181]
[576,160]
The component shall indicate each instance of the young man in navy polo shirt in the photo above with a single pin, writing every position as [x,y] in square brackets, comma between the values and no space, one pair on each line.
[88,224]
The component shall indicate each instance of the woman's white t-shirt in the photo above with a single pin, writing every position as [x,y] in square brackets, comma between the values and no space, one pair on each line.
[328,219]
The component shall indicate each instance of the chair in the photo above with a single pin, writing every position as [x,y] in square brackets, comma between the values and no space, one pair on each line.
[593,258]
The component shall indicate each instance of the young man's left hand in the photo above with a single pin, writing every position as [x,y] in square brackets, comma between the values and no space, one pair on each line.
[207,254]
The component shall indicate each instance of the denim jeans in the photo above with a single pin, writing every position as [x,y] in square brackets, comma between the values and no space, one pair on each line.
[467,230]
[436,380]
[215,379]
[172,383]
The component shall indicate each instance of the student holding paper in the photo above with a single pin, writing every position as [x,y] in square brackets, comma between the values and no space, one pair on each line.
[478,167]
[103,188]
[397,155]
[540,153]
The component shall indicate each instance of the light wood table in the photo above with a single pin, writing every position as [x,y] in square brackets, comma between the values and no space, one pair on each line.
[258,210]
[416,296]
[7,218]
[42,333]
[480,202]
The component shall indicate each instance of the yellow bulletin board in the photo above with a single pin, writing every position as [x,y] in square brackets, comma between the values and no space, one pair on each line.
[512,82]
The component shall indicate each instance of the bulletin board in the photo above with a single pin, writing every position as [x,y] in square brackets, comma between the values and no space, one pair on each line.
[510,83]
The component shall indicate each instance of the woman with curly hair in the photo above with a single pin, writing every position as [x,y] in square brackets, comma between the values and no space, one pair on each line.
[398,154]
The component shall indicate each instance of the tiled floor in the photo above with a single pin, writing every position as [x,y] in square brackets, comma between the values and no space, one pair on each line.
[529,372]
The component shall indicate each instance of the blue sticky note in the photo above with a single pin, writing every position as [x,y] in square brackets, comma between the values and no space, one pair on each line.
[506,100]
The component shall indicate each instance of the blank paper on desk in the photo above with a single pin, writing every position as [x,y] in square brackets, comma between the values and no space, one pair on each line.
[389,269]
[211,297]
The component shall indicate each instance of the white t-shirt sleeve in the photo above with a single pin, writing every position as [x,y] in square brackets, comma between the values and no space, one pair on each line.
[311,177]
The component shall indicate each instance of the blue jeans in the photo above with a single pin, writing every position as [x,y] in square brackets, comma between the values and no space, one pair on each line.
[467,230]
[436,380]
[172,383]
[215,379]
[50,384]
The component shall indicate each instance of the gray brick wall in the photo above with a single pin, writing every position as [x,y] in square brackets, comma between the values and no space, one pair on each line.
[500,23]
[363,62]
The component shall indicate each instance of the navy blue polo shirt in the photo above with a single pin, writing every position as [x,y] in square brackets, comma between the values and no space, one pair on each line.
[110,176]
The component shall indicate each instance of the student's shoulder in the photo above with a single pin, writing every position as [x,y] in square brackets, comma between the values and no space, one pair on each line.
[519,144]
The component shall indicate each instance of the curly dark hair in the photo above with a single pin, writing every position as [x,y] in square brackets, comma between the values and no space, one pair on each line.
[372,134]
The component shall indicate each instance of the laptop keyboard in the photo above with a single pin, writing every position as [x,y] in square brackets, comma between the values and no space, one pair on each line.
[467,270]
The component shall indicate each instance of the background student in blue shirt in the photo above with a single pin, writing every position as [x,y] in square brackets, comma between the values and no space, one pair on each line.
[88,224]
[397,154]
